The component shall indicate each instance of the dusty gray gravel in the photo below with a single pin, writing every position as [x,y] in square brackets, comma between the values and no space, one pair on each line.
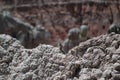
[95,59]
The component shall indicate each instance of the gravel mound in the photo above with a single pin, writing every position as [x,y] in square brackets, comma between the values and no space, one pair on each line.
[95,59]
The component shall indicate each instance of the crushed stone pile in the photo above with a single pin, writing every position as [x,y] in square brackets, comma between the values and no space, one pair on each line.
[95,59]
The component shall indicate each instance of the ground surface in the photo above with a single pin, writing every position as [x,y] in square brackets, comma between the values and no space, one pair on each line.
[95,59]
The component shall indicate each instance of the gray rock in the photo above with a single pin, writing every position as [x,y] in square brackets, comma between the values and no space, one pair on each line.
[117,66]
[107,74]
[45,62]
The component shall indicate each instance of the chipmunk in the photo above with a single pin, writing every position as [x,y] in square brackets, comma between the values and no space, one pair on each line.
[61,47]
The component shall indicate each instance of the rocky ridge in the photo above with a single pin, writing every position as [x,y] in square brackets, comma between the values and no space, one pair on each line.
[95,59]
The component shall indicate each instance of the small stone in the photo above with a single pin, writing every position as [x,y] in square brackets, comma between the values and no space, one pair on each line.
[117,66]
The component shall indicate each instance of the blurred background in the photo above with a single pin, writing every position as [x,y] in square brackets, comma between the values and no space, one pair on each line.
[49,21]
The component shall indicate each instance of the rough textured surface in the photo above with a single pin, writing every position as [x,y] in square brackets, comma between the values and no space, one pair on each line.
[95,59]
